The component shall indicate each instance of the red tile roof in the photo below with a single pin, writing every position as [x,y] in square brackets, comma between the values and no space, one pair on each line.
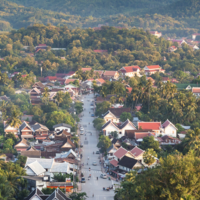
[129,89]
[131,68]
[196,89]
[151,79]
[51,77]
[86,69]
[149,125]
[101,80]
[70,73]
[67,81]
[165,79]
[109,73]
[100,51]
[136,151]
[114,163]
[120,152]
[153,67]
[141,135]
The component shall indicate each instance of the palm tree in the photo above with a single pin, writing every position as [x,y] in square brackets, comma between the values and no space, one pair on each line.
[45,95]
[3,109]
[59,97]
[14,119]
[113,99]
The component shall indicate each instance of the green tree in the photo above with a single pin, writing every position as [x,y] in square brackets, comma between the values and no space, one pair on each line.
[125,115]
[149,156]
[14,119]
[45,96]
[101,108]
[104,143]
[150,143]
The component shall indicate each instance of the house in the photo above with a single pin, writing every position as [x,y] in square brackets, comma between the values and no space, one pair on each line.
[128,164]
[35,96]
[196,91]
[51,79]
[62,134]
[40,131]
[61,127]
[130,71]
[31,152]
[100,81]
[179,41]
[113,114]
[168,140]
[138,136]
[149,70]
[129,90]
[72,87]
[68,144]
[100,51]
[110,75]
[152,80]
[86,69]
[120,153]
[110,151]
[26,131]
[99,72]
[37,194]
[23,145]
[156,33]
[165,79]
[169,129]
[38,85]
[172,48]
[68,81]
[10,129]
[110,126]
[137,154]
[194,35]
[153,126]
[69,74]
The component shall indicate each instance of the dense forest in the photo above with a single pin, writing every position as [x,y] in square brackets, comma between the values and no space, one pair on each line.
[125,47]
[148,15]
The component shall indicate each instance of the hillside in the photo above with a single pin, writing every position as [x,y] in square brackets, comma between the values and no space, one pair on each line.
[95,8]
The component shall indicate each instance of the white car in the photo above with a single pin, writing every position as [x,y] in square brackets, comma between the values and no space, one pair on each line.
[103,176]
[94,163]
[81,129]
[81,133]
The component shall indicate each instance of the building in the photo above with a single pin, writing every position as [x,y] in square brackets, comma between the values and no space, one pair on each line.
[108,75]
[130,71]
[196,91]
[156,33]
[37,194]
[168,140]
[153,126]
[194,35]
[26,131]
[149,70]
[110,126]
[113,114]
[23,145]
[169,129]
[10,129]
[61,127]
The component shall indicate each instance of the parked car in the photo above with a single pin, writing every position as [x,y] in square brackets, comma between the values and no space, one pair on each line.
[81,129]
[103,176]
[97,152]
[82,133]
[83,180]
[81,145]
[92,115]
[94,163]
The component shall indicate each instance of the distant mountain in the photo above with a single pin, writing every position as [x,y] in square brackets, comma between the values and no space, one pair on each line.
[180,8]
[95,8]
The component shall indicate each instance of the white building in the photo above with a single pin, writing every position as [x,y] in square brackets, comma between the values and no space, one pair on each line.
[61,127]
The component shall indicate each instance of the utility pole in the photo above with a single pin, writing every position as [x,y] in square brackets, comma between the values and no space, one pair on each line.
[41,71]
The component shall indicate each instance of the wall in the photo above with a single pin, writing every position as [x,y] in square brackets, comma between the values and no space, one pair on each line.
[170,131]
[58,129]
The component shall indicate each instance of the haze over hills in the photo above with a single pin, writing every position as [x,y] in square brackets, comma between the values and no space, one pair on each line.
[95,8]
[174,18]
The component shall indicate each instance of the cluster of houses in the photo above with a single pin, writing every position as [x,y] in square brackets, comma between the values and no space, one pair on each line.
[132,133]
[48,153]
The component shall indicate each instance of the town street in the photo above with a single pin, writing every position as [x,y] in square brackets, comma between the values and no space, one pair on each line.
[92,186]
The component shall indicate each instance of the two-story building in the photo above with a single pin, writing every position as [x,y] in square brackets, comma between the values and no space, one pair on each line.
[130,71]
[149,70]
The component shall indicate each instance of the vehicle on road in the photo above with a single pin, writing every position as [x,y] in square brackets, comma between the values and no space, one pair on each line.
[97,152]
[82,100]
[103,176]
[92,115]
[81,133]
[83,180]
[81,145]
[81,129]
[94,163]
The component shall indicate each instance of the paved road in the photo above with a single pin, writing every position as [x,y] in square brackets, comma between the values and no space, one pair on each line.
[92,186]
